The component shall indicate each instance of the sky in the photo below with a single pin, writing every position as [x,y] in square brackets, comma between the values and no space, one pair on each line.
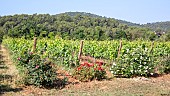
[136,11]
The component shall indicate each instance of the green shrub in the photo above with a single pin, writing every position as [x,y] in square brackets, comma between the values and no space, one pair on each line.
[89,71]
[135,62]
[38,71]
[164,64]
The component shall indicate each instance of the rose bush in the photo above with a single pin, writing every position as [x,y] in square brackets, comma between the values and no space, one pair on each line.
[37,71]
[89,71]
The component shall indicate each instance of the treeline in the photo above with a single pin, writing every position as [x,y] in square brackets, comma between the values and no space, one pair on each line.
[164,26]
[73,27]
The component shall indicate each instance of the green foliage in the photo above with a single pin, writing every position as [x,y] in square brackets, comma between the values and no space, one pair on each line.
[43,34]
[134,62]
[65,52]
[89,71]
[158,26]
[164,64]
[51,35]
[1,34]
[134,55]
[62,52]
[72,26]
[140,59]
[38,71]
[164,37]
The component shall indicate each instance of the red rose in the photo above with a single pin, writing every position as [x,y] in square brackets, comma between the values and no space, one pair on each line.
[100,69]
[100,63]
[67,74]
[95,69]
[86,63]
[82,64]
[79,68]
[90,64]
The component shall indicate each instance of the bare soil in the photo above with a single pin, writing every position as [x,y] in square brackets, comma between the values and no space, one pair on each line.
[139,86]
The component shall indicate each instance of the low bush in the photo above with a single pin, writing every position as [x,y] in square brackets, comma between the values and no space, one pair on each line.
[37,71]
[134,62]
[89,71]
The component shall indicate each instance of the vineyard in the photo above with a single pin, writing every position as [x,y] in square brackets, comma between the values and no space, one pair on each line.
[98,49]
[137,58]
[85,48]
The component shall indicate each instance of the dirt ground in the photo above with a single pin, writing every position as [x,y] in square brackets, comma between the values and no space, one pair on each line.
[139,86]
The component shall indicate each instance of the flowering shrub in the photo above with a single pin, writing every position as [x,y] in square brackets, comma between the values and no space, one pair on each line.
[37,71]
[135,62]
[89,71]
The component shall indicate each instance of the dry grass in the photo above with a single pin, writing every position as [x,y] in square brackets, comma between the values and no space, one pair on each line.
[8,73]
[113,87]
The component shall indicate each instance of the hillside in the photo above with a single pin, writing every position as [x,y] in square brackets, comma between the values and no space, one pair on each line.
[129,23]
[154,26]
[159,25]
[97,16]
[73,25]
[82,13]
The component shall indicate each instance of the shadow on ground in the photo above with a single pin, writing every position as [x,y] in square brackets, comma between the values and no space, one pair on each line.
[7,88]
[4,78]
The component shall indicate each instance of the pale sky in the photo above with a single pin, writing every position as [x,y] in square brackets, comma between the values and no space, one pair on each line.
[137,11]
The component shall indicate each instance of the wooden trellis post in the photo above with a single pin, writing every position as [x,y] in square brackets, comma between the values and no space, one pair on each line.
[80,50]
[152,45]
[120,47]
[34,45]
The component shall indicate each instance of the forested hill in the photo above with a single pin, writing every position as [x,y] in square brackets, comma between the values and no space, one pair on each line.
[82,13]
[97,16]
[159,25]
[71,25]
[154,26]
[129,23]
